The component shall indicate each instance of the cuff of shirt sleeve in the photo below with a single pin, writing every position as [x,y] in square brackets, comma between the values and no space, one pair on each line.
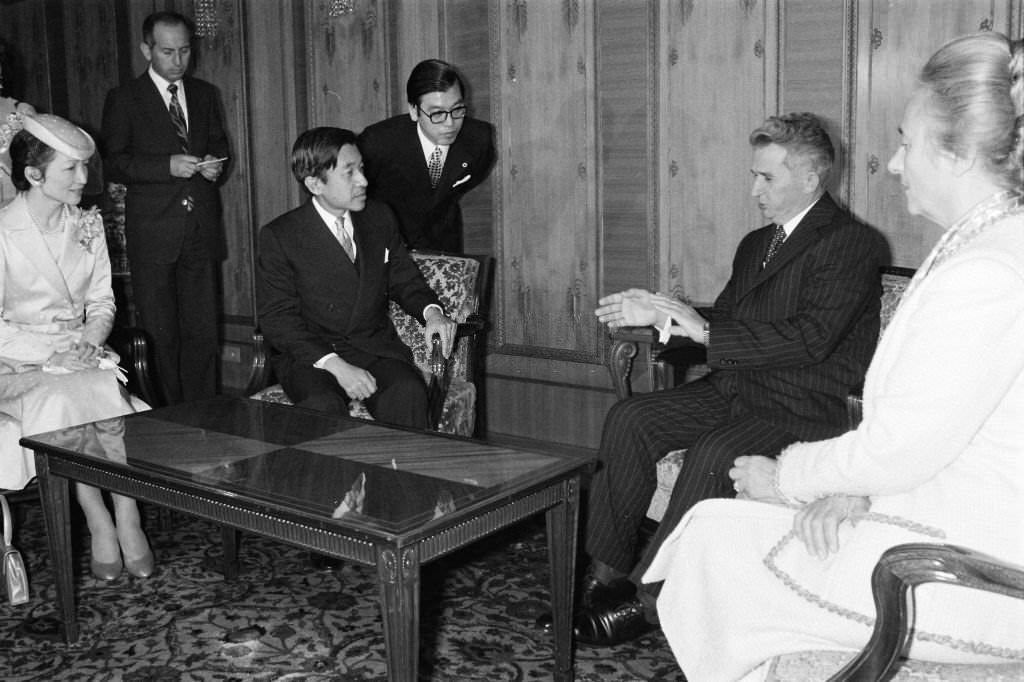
[319,364]
[432,305]
[777,483]
[665,330]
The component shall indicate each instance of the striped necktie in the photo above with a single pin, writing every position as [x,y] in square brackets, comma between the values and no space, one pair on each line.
[346,242]
[178,118]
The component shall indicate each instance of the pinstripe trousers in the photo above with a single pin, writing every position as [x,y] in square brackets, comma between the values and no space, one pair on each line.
[639,431]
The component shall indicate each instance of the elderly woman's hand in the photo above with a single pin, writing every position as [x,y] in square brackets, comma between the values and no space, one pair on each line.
[817,524]
[754,478]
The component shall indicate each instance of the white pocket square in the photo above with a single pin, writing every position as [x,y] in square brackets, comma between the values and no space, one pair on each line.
[387,255]
[461,180]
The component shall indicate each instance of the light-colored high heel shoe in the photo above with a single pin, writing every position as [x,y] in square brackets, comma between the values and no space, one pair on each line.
[107,572]
[104,570]
[143,567]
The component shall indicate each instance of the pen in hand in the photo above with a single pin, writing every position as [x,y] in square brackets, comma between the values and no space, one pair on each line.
[209,161]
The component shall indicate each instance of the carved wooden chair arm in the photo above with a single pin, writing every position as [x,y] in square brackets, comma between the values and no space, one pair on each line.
[259,368]
[474,324]
[898,571]
[626,343]
[440,379]
[132,345]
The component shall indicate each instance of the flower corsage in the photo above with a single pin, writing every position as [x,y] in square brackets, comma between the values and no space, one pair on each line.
[90,227]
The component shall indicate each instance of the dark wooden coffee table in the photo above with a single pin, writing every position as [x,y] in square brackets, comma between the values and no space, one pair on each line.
[380,496]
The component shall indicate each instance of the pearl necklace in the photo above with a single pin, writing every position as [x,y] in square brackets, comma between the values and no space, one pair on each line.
[60,223]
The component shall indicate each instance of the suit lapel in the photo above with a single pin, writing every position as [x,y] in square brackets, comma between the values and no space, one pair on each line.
[152,104]
[325,255]
[33,247]
[456,164]
[317,236]
[805,234]
[73,254]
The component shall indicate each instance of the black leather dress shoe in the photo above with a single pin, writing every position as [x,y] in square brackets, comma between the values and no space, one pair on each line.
[611,623]
[594,593]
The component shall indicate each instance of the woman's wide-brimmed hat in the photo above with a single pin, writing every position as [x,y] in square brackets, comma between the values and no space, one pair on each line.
[60,134]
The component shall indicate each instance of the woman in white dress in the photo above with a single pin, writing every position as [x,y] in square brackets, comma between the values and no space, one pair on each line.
[56,310]
[939,455]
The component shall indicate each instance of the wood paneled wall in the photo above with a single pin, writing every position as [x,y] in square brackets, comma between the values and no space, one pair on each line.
[621,132]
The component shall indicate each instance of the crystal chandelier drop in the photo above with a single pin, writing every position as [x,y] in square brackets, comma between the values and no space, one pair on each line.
[206,18]
[340,8]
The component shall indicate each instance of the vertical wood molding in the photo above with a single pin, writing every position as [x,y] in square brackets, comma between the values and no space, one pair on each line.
[849,122]
[715,90]
[548,249]
[499,61]
[347,60]
[626,91]
[55,57]
[467,42]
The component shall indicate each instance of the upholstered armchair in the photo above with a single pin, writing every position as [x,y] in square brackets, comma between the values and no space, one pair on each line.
[685,358]
[461,282]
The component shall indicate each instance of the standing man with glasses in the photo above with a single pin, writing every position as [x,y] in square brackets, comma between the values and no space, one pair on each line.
[165,140]
[422,165]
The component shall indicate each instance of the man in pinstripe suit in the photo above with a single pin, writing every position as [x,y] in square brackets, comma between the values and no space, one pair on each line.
[787,339]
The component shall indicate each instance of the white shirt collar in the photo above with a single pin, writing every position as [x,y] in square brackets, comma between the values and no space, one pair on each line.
[428,146]
[161,84]
[329,217]
[791,224]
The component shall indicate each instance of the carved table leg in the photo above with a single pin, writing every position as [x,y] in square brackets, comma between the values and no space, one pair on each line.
[399,574]
[53,490]
[562,525]
[229,545]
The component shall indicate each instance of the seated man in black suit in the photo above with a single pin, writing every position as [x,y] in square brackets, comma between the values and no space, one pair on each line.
[325,273]
[788,338]
[423,163]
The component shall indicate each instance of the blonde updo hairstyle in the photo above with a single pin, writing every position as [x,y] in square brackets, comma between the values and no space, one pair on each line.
[975,87]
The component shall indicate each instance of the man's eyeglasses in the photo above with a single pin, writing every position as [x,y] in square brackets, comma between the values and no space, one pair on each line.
[439,117]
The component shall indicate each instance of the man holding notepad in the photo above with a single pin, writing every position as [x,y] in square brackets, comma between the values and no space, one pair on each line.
[165,140]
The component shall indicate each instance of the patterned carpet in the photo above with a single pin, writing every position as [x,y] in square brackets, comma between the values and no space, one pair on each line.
[284,620]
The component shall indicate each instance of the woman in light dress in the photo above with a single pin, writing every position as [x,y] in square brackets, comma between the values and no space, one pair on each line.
[56,310]
[939,455]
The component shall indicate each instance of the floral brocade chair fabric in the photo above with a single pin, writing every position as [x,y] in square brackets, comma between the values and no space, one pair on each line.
[454,280]
[457,281]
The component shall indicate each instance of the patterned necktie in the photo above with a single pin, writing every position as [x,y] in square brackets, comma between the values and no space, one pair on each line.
[178,118]
[777,239]
[346,242]
[434,166]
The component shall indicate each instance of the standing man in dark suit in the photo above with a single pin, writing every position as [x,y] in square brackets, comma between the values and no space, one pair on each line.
[165,140]
[421,165]
[788,338]
[324,275]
